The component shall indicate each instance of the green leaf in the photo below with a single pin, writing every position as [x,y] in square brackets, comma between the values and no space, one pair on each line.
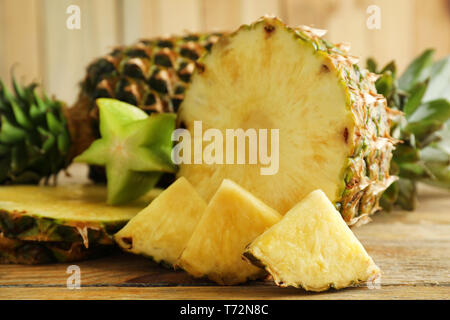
[439,85]
[385,84]
[20,116]
[372,65]
[10,133]
[417,71]
[54,124]
[415,98]
[436,110]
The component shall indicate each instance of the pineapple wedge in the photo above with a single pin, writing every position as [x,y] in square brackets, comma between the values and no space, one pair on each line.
[233,218]
[162,230]
[312,247]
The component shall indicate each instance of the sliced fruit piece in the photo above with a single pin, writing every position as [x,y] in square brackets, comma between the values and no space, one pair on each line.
[333,126]
[162,230]
[135,149]
[233,218]
[34,252]
[313,248]
[72,213]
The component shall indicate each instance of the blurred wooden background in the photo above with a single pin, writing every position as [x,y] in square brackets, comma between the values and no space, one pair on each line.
[34,36]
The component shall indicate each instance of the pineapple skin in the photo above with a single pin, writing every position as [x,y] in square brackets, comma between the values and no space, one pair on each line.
[360,264]
[13,251]
[151,74]
[74,214]
[365,175]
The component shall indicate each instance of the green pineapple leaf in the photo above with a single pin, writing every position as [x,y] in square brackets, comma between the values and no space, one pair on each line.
[417,71]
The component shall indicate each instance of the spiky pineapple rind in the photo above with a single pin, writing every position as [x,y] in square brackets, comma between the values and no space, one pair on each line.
[252,258]
[32,227]
[13,251]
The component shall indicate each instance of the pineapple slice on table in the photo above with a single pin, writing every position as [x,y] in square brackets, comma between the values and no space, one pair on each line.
[334,129]
[67,213]
[233,218]
[313,248]
[162,230]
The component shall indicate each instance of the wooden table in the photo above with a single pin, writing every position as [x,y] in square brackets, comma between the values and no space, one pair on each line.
[412,249]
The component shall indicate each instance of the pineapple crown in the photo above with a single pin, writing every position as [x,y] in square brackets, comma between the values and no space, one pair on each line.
[34,138]
[422,95]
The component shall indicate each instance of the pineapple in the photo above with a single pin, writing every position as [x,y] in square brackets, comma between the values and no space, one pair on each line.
[334,129]
[33,252]
[233,218]
[312,247]
[69,213]
[162,230]
[151,74]
[34,137]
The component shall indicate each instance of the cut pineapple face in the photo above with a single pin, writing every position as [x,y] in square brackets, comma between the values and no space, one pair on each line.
[312,247]
[162,230]
[262,77]
[233,218]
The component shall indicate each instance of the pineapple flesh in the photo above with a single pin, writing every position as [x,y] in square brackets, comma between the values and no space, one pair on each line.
[162,230]
[312,247]
[233,219]
[333,126]
[71,213]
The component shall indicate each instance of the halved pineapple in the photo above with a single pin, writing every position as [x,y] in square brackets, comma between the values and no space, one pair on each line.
[313,248]
[69,213]
[162,230]
[333,126]
[233,218]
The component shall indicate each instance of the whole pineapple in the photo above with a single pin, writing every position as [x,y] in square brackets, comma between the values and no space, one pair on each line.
[151,74]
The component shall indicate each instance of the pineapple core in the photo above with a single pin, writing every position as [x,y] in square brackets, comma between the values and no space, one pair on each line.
[162,230]
[312,247]
[233,219]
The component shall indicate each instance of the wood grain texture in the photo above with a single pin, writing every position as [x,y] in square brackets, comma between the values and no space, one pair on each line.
[411,248]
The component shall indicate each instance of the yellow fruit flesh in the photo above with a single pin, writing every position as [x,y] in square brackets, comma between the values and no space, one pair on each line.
[312,247]
[261,81]
[162,230]
[83,203]
[233,218]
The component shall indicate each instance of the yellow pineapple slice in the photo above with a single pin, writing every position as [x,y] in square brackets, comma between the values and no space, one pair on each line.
[162,230]
[312,247]
[233,219]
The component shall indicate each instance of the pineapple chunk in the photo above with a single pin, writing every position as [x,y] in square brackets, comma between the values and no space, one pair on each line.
[162,230]
[233,218]
[312,247]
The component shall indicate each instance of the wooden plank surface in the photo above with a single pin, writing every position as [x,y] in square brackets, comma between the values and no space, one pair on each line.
[411,248]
